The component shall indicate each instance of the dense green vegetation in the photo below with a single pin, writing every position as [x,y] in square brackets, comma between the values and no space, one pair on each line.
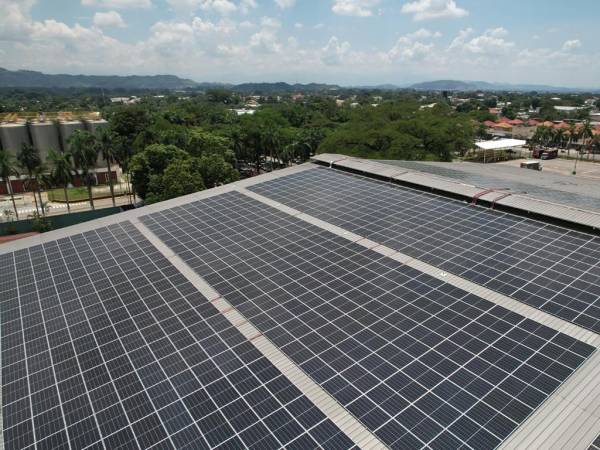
[172,144]
[402,131]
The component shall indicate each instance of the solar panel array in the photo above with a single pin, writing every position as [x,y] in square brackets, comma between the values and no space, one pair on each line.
[106,345]
[420,362]
[551,268]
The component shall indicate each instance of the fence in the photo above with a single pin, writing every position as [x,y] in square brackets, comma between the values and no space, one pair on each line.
[56,222]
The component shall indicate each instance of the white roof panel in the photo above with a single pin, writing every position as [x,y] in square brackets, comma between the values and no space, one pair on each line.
[500,144]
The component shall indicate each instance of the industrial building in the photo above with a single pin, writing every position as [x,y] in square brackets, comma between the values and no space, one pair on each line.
[337,304]
[46,135]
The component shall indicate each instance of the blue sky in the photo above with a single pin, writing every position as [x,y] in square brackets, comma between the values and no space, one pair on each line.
[348,42]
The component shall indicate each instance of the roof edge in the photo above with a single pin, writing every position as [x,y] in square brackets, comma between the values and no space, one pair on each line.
[516,203]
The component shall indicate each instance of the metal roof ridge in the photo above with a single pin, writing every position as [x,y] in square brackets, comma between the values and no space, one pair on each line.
[530,205]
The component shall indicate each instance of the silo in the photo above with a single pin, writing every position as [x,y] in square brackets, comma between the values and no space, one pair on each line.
[45,137]
[13,136]
[66,129]
[92,126]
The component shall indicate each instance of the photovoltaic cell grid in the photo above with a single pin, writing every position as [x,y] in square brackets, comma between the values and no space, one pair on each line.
[106,345]
[548,267]
[418,361]
[596,444]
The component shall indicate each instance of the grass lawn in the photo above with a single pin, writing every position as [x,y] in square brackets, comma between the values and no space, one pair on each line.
[80,194]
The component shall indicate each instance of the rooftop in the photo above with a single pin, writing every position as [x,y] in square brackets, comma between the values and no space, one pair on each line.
[328,305]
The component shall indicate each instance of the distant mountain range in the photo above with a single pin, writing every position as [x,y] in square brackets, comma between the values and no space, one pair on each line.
[31,79]
[456,85]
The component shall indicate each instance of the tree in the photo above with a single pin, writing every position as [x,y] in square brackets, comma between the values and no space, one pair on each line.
[180,177]
[85,155]
[105,146]
[559,137]
[30,160]
[215,171]
[573,136]
[8,168]
[153,161]
[61,172]
[586,133]
[204,143]
[128,122]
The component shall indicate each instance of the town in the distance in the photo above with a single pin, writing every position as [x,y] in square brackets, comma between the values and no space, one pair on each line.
[103,147]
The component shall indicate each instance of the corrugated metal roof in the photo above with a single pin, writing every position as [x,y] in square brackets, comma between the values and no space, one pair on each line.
[517,201]
[570,418]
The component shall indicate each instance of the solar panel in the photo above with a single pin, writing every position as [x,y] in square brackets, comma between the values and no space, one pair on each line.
[596,444]
[548,267]
[420,362]
[106,345]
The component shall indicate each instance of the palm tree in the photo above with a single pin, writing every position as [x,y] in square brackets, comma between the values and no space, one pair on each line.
[122,155]
[41,178]
[106,148]
[7,169]
[30,160]
[538,138]
[573,136]
[559,137]
[61,172]
[85,154]
[586,134]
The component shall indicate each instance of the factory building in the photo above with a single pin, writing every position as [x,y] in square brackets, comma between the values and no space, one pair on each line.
[46,135]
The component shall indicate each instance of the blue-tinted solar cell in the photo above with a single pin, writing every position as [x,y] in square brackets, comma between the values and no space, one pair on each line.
[548,267]
[596,444]
[105,345]
[407,354]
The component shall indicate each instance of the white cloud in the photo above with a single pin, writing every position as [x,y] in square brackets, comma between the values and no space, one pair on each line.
[247,5]
[433,9]
[222,7]
[215,46]
[285,4]
[490,43]
[319,26]
[407,50]
[298,26]
[108,19]
[411,48]
[424,33]
[266,39]
[205,26]
[335,51]
[184,7]
[117,4]
[573,44]
[357,8]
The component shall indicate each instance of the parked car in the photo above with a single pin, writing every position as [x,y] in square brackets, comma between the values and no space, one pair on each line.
[550,154]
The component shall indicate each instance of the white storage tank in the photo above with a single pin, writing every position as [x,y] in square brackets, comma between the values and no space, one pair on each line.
[45,137]
[13,136]
[92,126]
[66,129]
